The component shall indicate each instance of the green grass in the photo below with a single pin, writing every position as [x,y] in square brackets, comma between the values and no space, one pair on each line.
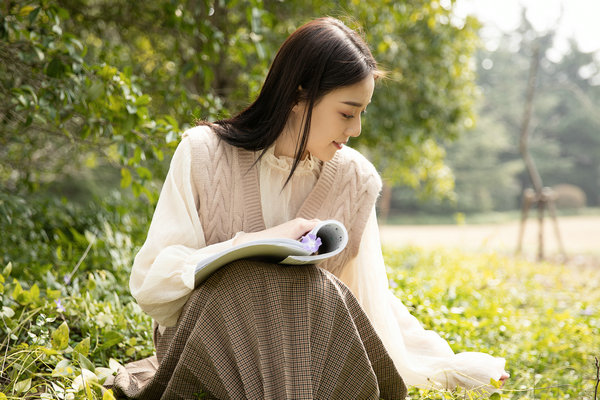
[543,318]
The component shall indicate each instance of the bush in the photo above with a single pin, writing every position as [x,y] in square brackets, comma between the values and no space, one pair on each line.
[569,196]
[542,317]
[64,302]
[41,234]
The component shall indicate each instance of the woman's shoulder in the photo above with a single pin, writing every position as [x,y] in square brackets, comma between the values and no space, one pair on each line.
[354,162]
[199,134]
[203,141]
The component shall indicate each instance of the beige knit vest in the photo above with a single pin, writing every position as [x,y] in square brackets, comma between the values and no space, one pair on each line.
[226,186]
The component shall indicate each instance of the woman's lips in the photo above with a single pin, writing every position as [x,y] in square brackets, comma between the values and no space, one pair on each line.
[339,145]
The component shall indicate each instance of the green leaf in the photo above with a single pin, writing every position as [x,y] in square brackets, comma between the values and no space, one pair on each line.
[144,172]
[63,368]
[495,383]
[137,189]
[84,362]
[39,53]
[110,339]
[95,90]
[60,337]
[158,153]
[20,295]
[495,396]
[57,29]
[142,100]
[7,270]
[83,347]
[23,386]
[7,312]
[34,292]
[55,68]
[108,395]
[52,294]
[126,178]
[26,10]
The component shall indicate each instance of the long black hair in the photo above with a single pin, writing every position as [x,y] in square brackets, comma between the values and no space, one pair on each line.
[320,56]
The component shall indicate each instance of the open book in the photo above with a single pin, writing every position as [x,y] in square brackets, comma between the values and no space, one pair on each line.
[332,234]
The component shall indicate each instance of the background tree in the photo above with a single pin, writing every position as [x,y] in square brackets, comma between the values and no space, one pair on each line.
[186,60]
[564,137]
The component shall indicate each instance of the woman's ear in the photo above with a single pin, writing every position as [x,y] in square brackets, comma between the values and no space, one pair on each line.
[300,97]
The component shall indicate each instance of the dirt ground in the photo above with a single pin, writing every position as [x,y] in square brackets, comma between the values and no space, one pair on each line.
[580,236]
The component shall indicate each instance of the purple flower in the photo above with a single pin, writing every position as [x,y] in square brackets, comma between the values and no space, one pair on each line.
[311,242]
[59,305]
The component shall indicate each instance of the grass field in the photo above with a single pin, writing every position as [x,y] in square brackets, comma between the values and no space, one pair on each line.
[543,317]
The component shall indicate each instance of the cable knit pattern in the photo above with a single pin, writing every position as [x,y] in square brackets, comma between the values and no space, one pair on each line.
[216,183]
[346,190]
[227,187]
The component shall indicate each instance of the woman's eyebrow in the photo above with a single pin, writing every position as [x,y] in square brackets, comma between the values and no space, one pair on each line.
[352,103]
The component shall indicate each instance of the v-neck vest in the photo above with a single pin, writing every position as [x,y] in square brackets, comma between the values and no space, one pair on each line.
[226,187]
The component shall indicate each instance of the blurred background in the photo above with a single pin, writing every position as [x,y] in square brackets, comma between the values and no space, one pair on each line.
[490,175]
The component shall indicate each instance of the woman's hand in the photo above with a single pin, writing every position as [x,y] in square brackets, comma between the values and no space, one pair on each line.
[503,378]
[293,229]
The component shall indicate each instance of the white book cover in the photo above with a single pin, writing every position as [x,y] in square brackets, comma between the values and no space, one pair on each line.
[331,235]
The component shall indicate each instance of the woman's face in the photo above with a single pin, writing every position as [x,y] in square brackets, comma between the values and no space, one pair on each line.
[336,118]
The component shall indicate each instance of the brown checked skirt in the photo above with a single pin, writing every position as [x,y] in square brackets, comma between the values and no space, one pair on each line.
[256,330]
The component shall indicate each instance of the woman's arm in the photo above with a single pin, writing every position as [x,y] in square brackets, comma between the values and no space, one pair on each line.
[422,357]
[162,276]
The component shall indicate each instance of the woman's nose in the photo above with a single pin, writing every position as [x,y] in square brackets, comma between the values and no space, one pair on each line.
[355,128]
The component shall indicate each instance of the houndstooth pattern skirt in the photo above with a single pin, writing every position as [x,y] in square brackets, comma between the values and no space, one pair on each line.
[256,330]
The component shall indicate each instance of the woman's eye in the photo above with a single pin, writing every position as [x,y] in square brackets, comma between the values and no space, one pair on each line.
[347,116]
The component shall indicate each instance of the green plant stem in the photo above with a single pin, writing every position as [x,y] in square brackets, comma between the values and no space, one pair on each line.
[597,378]
[85,253]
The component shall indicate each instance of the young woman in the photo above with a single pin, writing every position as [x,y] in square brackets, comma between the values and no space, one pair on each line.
[255,330]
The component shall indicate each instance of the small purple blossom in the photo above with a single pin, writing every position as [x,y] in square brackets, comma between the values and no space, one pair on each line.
[311,242]
[587,312]
[59,305]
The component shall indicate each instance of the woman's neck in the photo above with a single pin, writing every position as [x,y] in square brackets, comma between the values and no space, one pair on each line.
[285,145]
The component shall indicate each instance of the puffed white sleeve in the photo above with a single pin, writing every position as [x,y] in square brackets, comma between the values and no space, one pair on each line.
[422,357]
[162,276]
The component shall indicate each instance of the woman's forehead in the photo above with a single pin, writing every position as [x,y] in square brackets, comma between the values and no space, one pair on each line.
[355,95]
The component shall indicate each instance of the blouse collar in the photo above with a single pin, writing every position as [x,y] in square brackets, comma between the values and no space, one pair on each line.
[309,165]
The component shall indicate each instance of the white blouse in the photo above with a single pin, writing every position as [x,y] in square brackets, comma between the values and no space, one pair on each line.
[162,274]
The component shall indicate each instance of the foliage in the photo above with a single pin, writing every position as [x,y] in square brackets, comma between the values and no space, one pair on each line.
[429,96]
[59,338]
[564,139]
[41,235]
[88,83]
[564,142]
[58,110]
[64,300]
[542,317]
[94,88]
